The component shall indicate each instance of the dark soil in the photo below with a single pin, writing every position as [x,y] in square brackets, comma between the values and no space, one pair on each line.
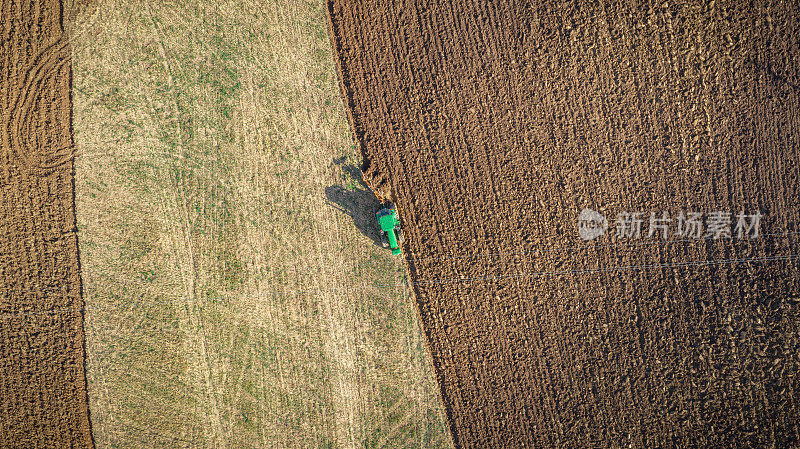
[43,400]
[494,123]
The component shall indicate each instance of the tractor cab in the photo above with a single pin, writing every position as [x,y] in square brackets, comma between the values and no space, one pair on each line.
[389,225]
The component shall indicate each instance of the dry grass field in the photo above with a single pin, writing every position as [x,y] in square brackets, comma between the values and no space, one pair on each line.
[234,294]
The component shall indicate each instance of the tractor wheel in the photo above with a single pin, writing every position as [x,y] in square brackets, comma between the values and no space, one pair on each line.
[384,241]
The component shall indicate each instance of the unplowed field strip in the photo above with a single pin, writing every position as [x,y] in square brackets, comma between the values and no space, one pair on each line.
[494,123]
[43,401]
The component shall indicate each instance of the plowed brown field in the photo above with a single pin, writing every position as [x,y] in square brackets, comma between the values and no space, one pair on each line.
[494,123]
[43,400]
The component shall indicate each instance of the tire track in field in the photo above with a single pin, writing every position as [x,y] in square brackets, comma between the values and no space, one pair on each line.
[183,249]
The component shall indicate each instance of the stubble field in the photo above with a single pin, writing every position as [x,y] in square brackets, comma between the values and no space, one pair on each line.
[234,293]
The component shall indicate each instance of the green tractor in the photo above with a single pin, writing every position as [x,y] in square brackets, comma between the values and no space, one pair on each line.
[389,224]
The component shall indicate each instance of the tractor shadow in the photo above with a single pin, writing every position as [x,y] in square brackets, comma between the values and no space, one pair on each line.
[356,200]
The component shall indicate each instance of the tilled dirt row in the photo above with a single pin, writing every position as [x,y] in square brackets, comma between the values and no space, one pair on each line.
[43,401]
[495,123]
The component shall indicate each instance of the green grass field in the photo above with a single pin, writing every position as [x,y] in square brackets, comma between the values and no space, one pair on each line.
[229,302]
